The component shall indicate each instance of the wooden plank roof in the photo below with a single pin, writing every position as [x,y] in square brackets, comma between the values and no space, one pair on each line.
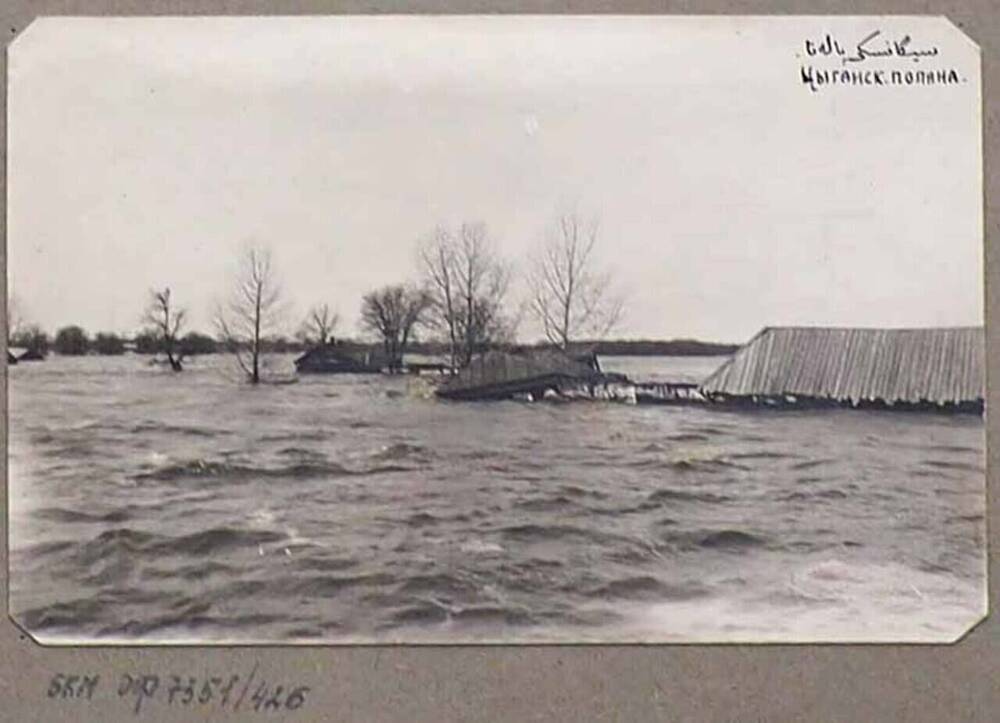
[499,368]
[937,365]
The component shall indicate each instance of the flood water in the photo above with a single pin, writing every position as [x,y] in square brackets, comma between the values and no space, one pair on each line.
[147,506]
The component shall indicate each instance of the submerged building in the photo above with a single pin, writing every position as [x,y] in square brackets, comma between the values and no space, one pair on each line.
[340,358]
[353,358]
[907,368]
[508,374]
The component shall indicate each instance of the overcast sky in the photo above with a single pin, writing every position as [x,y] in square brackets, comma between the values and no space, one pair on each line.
[145,152]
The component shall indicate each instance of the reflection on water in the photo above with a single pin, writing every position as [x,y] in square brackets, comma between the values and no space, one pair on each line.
[152,506]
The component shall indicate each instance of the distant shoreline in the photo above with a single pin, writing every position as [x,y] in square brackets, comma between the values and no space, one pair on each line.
[651,347]
[612,347]
[609,347]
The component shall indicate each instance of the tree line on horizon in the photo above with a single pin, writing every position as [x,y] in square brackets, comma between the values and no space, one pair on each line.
[73,340]
[460,296]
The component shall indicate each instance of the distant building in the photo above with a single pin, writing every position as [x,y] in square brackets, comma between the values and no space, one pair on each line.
[340,358]
[17,354]
[922,368]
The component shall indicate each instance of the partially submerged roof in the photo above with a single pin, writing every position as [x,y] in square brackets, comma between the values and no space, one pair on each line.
[25,354]
[939,365]
[339,357]
[497,374]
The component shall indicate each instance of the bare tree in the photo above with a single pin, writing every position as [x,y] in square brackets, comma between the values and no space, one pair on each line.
[319,325]
[468,283]
[166,323]
[568,296]
[392,313]
[252,311]
[14,319]
[437,259]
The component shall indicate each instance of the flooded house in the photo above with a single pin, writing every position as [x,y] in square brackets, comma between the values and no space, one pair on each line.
[17,354]
[525,373]
[345,357]
[340,358]
[931,368]
[29,355]
[435,364]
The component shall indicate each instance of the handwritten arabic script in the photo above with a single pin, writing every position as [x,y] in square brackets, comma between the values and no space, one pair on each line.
[873,45]
[874,60]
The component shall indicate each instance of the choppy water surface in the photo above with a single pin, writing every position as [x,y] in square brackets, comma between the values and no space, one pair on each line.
[149,506]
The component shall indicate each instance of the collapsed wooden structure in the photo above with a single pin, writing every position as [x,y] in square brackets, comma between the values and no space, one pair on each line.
[530,374]
[676,393]
[936,368]
[941,369]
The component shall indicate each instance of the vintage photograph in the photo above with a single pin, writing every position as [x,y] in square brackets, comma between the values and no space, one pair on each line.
[482,329]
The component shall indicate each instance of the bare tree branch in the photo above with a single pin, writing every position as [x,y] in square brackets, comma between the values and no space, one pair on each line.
[14,317]
[252,312]
[568,297]
[392,313]
[319,325]
[166,323]
[468,283]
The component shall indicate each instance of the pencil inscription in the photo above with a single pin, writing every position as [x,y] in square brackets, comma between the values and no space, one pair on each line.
[234,692]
